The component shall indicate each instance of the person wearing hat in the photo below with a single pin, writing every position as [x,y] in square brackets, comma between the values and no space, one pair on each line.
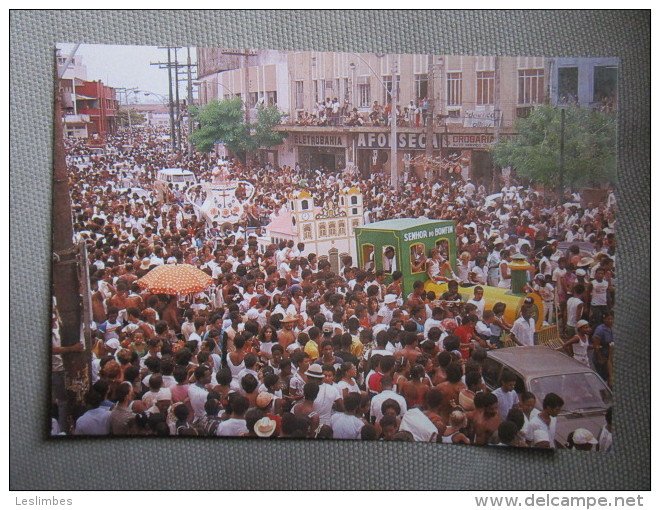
[579,342]
[265,427]
[386,310]
[582,439]
[328,397]
[287,335]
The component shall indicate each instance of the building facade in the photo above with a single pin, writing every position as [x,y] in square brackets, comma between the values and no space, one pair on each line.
[474,100]
[587,82]
[326,229]
[89,107]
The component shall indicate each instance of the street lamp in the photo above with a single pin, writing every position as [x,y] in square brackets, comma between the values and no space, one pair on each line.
[394,100]
[199,83]
[161,97]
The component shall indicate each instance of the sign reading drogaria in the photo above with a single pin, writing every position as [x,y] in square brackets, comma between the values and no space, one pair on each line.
[472,141]
[316,140]
[404,140]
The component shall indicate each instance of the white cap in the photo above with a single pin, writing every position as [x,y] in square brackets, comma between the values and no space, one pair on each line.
[390,298]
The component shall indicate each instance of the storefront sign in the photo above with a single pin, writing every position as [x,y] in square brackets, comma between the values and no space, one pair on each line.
[426,233]
[471,141]
[316,140]
[408,141]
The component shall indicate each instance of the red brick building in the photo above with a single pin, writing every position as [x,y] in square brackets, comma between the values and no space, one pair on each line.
[100,103]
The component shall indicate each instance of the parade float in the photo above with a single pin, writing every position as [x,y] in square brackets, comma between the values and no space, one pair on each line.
[221,201]
[401,245]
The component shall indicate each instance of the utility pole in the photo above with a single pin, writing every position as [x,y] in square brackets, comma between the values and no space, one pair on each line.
[65,271]
[430,96]
[168,65]
[174,102]
[394,163]
[190,102]
[561,152]
[246,78]
[169,78]
[496,119]
[177,101]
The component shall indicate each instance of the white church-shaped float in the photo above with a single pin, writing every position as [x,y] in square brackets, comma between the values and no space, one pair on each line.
[327,229]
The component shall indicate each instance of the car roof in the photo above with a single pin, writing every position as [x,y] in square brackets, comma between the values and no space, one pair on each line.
[538,361]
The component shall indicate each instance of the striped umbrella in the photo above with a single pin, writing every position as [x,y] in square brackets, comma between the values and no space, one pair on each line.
[175,279]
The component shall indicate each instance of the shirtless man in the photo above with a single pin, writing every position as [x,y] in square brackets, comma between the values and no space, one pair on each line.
[485,419]
[450,390]
[410,350]
[286,335]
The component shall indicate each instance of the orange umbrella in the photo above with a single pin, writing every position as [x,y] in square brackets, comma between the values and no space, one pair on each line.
[175,279]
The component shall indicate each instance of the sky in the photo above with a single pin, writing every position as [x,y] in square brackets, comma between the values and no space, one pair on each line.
[129,67]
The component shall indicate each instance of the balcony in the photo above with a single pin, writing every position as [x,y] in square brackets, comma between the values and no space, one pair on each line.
[77,119]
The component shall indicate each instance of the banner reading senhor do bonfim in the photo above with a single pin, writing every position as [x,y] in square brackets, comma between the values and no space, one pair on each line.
[424,234]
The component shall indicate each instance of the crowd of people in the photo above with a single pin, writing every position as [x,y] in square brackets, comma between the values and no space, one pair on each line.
[280,345]
[332,112]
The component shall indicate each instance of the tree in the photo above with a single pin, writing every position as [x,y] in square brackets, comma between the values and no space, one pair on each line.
[224,122]
[589,147]
[136,117]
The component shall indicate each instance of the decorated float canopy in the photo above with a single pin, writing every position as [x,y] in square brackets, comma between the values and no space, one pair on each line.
[399,244]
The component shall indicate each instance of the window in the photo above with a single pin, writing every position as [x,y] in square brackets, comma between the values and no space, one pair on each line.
[300,98]
[387,81]
[342,228]
[355,223]
[253,98]
[307,231]
[364,95]
[318,92]
[417,258]
[485,87]
[389,259]
[421,86]
[454,89]
[568,85]
[347,94]
[605,78]
[322,230]
[304,205]
[332,229]
[491,371]
[354,200]
[368,257]
[530,86]
[271,98]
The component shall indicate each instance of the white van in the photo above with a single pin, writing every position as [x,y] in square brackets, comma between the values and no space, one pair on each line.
[174,176]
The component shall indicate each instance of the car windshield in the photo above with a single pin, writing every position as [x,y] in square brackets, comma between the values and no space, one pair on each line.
[580,391]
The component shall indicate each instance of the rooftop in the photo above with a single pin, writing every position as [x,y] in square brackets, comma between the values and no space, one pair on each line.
[401,224]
